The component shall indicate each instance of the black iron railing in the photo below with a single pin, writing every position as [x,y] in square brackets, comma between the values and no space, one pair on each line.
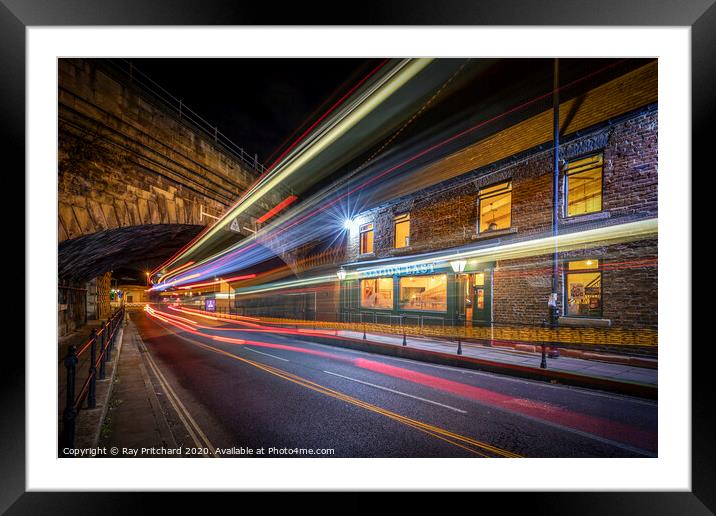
[100,346]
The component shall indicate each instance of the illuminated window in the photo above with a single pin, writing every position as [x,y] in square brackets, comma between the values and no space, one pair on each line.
[424,293]
[584,288]
[402,230]
[376,293]
[584,185]
[366,238]
[495,207]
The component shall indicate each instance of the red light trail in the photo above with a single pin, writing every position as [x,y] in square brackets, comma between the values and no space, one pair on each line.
[539,410]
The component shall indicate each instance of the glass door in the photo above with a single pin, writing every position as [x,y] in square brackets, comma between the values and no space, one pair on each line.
[481,297]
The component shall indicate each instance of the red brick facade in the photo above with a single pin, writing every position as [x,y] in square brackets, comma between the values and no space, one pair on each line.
[446,215]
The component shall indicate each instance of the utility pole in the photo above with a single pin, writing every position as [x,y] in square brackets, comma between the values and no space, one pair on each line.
[552,303]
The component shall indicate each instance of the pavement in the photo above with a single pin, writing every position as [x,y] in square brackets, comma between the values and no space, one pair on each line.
[134,418]
[587,367]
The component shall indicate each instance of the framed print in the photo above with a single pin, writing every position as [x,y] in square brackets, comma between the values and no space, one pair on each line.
[296,254]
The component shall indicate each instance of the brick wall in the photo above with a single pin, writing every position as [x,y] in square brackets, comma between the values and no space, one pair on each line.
[608,101]
[522,287]
[446,215]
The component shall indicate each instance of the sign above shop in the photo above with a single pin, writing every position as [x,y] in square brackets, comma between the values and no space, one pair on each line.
[400,270]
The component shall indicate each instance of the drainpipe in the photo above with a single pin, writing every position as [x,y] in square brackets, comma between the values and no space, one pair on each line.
[552,303]
[555,180]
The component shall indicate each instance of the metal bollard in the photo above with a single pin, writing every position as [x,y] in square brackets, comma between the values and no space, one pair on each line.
[543,361]
[91,395]
[103,361]
[459,346]
[109,338]
[364,335]
[69,414]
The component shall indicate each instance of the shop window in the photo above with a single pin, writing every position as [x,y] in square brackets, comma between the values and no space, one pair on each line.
[584,185]
[366,238]
[584,289]
[402,230]
[495,206]
[424,293]
[376,293]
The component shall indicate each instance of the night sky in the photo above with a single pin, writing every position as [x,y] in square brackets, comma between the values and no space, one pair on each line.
[257,103]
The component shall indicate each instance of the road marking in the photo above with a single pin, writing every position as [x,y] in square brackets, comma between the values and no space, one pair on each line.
[534,383]
[191,425]
[398,392]
[439,431]
[267,354]
[453,438]
[571,388]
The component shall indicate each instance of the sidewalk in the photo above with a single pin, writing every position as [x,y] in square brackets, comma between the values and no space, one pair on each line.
[622,372]
[135,418]
[523,363]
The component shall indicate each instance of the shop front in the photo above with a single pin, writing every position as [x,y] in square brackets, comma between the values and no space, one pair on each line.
[424,294]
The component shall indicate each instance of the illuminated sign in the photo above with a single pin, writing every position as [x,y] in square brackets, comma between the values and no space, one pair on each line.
[400,270]
[210,305]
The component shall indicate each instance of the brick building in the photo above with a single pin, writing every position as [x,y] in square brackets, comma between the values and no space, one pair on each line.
[477,247]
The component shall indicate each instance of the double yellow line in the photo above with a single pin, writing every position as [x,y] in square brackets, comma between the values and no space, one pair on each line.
[195,432]
[474,446]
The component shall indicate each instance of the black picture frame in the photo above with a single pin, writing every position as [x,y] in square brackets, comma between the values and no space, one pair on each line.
[16,15]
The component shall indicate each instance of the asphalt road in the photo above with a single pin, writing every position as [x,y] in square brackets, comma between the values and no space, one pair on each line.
[244,386]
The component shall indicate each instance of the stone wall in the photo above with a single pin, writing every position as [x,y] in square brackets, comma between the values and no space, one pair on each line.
[71,308]
[125,159]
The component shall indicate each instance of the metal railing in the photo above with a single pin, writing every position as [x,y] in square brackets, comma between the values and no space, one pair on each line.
[100,341]
[145,83]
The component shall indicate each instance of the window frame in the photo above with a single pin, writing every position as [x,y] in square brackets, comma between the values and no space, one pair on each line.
[361,232]
[480,198]
[565,284]
[400,306]
[376,279]
[405,218]
[566,176]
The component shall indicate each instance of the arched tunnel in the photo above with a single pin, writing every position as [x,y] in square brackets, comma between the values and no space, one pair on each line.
[139,248]
[87,264]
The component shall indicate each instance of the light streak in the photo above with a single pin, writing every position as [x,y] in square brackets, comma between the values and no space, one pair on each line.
[216,282]
[538,410]
[567,241]
[280,206]
[597,237]
[467,443]
[377,93]
[221,260]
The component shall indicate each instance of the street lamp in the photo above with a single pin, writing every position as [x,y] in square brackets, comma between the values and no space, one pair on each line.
[458,267]
[341,273]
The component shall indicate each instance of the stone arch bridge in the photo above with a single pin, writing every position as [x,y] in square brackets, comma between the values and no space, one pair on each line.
[137,179]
